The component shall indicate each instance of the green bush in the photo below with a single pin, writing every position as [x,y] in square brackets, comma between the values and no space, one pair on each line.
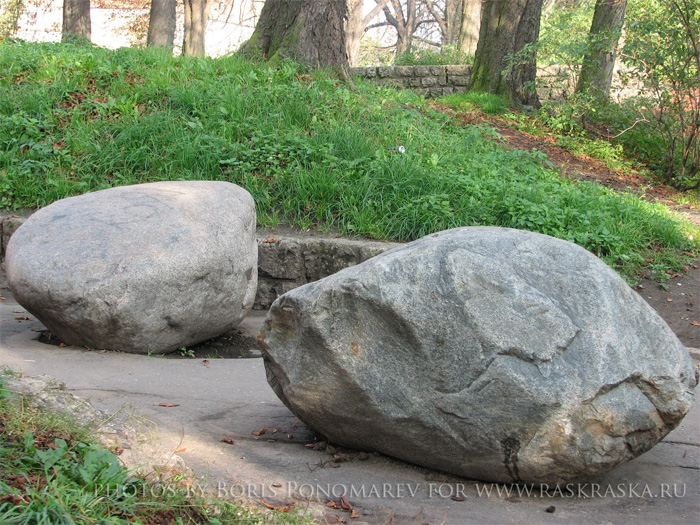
[662,54]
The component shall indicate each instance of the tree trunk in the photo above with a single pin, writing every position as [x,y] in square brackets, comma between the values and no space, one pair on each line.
[76,19]
[354,29]
[161,24]
[469,30]
[448,15]
[195,26]
[503,65]
[453,16]
[404,24]
[599,60]
[355,26]
[312,33]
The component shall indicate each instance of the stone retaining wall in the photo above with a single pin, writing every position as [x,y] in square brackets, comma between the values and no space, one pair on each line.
[284,261]
[431,81]
[553,82]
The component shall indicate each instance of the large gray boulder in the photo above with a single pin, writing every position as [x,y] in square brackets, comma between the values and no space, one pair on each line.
[144,268]
[489,353]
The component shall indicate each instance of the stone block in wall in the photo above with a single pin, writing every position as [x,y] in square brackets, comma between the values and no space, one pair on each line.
[438,70]
[386,71]
[459,70]
[458,80]
[364,72]
[396,83]
[404,71]
[435,92]
[447,90]
[413,82]
[422,71]
[293,261]
[428,81]
[459,89]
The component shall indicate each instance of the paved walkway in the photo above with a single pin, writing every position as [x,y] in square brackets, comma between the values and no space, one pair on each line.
[229,399]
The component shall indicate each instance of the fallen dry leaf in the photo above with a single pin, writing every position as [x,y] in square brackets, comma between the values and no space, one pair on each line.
[23,318]
[271,440]
[290,436]
[227,440]
[167,405]
[344,503]
[669,299]
[694,323]
[354,514]
[260,432]
[271,240]
[278,509]
[14,499]
[277,485]
[332,505]
[309,445]
[176,450]
[2,298]
[62,345]
[205,362]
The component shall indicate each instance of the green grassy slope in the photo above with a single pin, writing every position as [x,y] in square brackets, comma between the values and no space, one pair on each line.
[310,150]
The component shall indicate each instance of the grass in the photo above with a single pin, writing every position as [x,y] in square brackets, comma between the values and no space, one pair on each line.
[53,472]
[312,151]
[485,102]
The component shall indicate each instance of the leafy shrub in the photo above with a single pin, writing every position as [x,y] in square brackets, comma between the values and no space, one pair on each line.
[662,51]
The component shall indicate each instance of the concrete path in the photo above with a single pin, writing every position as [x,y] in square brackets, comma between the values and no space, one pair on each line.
[229,399]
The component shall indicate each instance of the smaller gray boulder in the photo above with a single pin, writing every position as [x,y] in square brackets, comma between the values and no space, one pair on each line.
[143,268]
[490,353]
